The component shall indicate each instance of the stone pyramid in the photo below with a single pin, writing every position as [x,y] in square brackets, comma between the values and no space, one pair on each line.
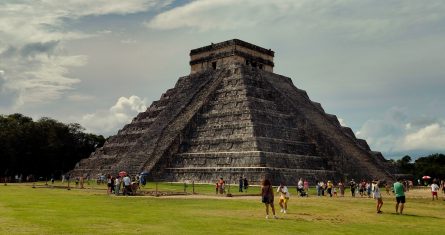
[231,117]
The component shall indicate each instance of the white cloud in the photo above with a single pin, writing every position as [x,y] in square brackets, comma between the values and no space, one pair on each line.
[80,97]
[32,34]
[125,105]
[431,137]
[128,41]
[354,19]
[396,132]
[108,121]
[342,121]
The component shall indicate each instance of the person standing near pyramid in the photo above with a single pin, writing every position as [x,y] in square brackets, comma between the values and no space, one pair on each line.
[267,197]
[241,182]
[352,185]
[284,197]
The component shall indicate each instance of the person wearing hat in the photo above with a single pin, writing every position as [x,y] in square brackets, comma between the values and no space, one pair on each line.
[377,195]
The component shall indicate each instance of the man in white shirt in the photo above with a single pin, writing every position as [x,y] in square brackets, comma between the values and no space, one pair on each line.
[434,189]
[127,185]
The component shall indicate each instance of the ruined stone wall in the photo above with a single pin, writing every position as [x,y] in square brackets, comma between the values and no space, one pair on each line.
[231,52]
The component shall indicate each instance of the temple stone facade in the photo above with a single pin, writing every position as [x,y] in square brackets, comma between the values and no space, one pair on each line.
[231,117]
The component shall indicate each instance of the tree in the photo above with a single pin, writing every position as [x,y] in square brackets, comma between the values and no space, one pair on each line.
[405,165]
[432,165]
[42,147]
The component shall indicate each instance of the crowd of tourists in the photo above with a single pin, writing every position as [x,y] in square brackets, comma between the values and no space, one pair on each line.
[363,188]
[123,184]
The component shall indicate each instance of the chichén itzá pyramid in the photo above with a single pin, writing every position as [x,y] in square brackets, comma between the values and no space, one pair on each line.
[231,117]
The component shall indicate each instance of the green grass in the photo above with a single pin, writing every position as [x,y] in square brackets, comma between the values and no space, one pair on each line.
[42,210]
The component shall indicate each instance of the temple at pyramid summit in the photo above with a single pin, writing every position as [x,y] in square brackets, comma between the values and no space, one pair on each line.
[231,117]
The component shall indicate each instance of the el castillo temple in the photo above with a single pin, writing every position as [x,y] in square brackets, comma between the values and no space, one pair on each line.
[233,116]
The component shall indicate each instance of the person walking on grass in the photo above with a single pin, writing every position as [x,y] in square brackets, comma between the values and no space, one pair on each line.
[434,189]
[284,197]
[267,197]
[377,195]
[399,191]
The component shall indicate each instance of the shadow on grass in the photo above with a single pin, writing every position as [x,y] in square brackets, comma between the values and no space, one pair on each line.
[418,216]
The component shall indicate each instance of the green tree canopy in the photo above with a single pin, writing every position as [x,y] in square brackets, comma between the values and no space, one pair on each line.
[44,147]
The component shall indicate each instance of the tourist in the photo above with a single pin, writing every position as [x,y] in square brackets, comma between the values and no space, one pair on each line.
[406,185]
[377,195]
[368,189]
[387,189]
[284,197]
[318,188]
[246,184]
[241,182]
[127,185]
[300,186]
[221,185]
[267,197]
[117,185]
[329,188]
[81,181]
[341,186]
[434,189]
[322,187]
[109,183]
[362,187]
[442,183]
[352,185]
[306,185]
[399,191]
[300,183]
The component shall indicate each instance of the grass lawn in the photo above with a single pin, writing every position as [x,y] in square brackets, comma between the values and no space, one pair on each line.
[42,210]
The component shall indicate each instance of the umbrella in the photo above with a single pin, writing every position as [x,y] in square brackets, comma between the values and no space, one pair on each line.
[122,173]
[426,177]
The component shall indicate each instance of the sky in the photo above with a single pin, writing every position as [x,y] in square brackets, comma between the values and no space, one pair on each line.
[378,65]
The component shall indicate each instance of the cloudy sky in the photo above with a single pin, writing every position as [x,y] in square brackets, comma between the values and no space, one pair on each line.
[378,65]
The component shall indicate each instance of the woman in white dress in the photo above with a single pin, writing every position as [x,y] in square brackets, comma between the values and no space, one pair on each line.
[377,195]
